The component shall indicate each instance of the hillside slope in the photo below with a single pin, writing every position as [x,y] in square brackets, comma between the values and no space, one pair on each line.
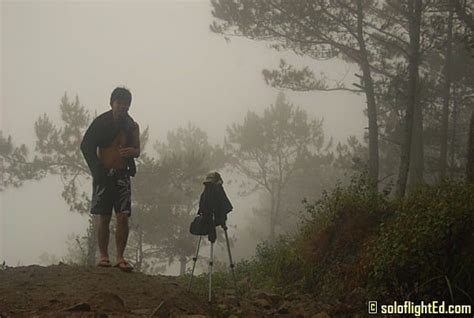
[78,291]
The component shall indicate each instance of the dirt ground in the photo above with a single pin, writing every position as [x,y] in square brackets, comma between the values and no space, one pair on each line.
[78,291]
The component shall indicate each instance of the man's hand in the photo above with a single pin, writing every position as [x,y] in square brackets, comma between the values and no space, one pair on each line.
[128,152]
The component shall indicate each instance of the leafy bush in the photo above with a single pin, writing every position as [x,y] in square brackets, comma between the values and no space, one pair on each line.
[279,266]
[426,251]
[272,268]
[334,239]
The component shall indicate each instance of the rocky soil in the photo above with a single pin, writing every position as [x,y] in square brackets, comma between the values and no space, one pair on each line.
[78,291]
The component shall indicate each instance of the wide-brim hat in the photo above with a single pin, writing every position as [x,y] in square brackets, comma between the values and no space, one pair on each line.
[213,177]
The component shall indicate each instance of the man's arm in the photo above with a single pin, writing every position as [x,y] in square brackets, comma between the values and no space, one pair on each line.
[134,150]
[89,151]
[136,140]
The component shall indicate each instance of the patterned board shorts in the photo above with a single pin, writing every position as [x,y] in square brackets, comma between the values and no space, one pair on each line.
[114,193]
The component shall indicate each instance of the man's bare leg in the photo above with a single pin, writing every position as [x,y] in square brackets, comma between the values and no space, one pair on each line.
[121,235]
[103,236]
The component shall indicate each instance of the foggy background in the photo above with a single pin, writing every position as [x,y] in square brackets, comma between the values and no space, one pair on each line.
[178,72]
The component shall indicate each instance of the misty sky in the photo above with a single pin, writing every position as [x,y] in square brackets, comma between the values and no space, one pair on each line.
[178,72]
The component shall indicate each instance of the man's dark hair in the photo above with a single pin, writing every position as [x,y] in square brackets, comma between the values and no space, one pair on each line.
[121,94]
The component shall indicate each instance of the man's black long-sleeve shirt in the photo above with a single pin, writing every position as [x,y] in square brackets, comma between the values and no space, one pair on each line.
[101,133]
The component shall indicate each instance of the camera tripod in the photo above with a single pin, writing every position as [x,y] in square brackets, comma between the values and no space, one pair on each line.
[224,226]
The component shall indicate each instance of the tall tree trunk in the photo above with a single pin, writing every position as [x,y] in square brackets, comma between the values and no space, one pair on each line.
[414,22]
[370,95]
[470,152]
[277,207]
[272,217]
[416,153]
[446,96]
[452,161]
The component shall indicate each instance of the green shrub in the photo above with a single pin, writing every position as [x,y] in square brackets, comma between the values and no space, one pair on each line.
[335,237]
[426,251]
[279,265]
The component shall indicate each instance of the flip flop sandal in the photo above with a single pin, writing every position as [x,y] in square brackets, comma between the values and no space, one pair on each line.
[104,263]
[124,266]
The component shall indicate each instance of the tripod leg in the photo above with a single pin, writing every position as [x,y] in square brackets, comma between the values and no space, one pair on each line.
[230,258]
[210,271]
[194,265]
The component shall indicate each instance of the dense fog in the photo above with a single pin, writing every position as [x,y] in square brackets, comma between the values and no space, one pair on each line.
[179,73]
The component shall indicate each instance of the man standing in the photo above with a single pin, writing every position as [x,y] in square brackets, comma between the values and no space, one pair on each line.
[109,146]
